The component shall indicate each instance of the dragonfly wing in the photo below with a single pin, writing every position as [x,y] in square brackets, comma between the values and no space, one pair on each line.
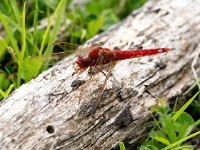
[46,59]
[55,52]
[65,47]
[68,48]
[60,50]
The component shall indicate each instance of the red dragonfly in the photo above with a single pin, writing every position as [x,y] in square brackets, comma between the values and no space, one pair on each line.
[97,55]
[100,56]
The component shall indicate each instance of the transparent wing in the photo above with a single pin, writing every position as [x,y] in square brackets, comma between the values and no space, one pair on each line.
[68,48]
[65,47]
[59,51]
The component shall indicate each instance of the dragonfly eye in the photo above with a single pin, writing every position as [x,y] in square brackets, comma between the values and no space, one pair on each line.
[82,62]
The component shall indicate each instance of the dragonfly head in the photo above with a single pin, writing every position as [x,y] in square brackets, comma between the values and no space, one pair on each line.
[82,62]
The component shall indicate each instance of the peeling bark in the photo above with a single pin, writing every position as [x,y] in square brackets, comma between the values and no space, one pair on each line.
[46,113]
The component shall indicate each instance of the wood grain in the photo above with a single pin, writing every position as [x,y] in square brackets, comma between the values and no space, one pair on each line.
[46,114]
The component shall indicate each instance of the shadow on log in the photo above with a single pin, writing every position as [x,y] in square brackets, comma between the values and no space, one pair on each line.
[46,113]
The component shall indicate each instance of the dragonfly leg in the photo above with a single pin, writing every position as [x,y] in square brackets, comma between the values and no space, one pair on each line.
[97,102]
[81,91]
[78,71]
[99,69]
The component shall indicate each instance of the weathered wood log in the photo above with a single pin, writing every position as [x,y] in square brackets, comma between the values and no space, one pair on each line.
[46,113]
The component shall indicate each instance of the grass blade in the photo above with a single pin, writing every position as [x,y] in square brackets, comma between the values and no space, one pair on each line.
[15,10]
[9,33]
[57,25]
[181,141]
[21,57]
[7,92]
[62,2]
[35,23]
[2,93]
[184,106]
[192,87]
[121,145]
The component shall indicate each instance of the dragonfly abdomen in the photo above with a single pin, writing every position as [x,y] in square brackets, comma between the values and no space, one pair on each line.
[122,55]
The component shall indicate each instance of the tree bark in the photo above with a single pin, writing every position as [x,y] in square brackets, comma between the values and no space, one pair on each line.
[59,111]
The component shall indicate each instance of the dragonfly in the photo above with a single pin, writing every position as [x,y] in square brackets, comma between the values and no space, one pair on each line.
[101,56]
[95,56]
[98,56]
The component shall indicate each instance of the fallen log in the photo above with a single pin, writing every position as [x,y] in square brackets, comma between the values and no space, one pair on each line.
[59,111]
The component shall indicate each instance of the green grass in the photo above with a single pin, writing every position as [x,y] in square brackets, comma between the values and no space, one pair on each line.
[19,42]
[22,37]
[172,130]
